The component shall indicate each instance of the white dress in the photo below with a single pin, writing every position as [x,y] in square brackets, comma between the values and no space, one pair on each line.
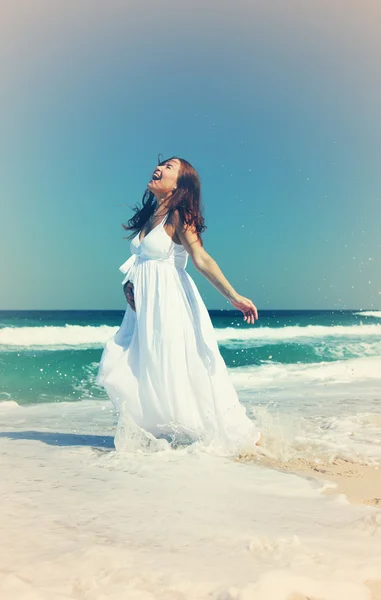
[163,369]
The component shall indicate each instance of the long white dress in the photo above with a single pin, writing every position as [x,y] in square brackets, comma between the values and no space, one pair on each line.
[163,369]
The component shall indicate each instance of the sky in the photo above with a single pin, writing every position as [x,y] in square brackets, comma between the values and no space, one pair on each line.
[276,103]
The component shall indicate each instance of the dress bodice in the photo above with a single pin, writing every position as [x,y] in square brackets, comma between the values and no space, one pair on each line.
[156,245]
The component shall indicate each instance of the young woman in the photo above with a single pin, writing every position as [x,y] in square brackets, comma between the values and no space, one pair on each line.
[162,369]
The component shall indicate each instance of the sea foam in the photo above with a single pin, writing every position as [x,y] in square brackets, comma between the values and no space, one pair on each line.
[88,335]
[85,521]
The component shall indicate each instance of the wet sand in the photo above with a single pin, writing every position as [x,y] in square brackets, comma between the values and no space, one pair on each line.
[360,483]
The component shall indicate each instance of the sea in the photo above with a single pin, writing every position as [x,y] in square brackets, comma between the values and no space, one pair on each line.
[83,521]
[312,372]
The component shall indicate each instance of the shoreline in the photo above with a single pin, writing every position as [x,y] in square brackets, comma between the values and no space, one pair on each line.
[360,483]
[81,518]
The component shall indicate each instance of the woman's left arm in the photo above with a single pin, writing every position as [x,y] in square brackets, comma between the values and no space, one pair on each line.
[208,267]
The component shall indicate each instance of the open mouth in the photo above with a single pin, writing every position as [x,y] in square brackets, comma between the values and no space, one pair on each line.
[155,177]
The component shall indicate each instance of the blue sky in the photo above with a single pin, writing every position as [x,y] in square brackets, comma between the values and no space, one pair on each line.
[275,104]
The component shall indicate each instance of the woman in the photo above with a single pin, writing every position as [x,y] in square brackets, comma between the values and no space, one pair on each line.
[163,369]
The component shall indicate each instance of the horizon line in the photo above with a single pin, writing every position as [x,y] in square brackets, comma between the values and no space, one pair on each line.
[209,309]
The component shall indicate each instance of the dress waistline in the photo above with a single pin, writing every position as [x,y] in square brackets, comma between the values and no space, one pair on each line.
[129,267]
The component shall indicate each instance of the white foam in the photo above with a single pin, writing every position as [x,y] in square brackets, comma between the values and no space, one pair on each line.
[87,335]
[7,404]
[68,335]
[85,522]
[318,410]
[312,332]
[274,375]
[369,313]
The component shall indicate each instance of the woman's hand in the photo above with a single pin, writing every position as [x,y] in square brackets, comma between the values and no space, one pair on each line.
[128,289]
[247,307]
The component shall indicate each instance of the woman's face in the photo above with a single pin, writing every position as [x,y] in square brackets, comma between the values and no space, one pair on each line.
[164,178]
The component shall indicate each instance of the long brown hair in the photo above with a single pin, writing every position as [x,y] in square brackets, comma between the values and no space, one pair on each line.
[186,199]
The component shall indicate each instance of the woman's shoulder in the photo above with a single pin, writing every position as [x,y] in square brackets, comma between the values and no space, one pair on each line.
[176,217]
[179,222]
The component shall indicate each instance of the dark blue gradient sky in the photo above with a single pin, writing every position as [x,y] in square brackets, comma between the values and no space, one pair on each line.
[276,104]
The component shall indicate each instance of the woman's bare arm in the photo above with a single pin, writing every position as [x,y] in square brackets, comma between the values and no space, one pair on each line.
[208,267]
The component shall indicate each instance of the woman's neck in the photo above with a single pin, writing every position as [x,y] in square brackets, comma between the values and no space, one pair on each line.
[160,202]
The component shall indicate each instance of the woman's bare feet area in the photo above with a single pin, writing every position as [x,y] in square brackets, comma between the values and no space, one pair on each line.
[250,455]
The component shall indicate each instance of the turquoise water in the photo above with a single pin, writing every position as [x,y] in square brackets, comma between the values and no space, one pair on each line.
[52,356]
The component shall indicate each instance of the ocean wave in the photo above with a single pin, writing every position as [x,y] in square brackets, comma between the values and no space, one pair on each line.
[301,375]
[69,335]
[344,350]
[88,335]
[369,313]
[292,332]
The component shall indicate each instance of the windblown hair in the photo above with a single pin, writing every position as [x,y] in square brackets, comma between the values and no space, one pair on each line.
[186,199]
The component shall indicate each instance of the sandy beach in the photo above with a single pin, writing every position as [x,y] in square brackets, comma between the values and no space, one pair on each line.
[360,483]
[82,522]
[357,483]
